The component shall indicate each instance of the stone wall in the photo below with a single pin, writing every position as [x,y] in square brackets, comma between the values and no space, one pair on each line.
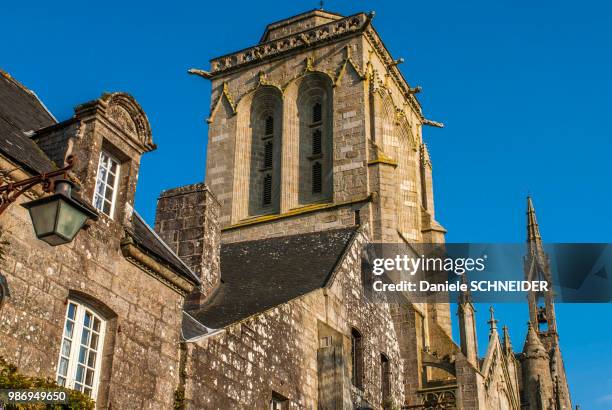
[187,219]
[145,322]
[276,351]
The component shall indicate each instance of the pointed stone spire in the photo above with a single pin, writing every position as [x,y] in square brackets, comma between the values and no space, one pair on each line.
[533,347]
[492,321]
[533,230]
[507,342]
[465,296]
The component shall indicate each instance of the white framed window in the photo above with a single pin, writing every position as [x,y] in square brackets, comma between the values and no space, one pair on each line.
[80,355]
[107,179]
[278,402]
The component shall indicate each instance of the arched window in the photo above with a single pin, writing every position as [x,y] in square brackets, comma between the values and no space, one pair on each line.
[385,377]
[264,148]
[268,161]
[357,358]
[314,106]
[80,355]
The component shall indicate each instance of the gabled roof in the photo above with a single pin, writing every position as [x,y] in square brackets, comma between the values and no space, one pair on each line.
[146,239]
[21,112]
[259,275]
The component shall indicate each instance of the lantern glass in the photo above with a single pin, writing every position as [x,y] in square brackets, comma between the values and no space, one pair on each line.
[70,220]
[43,218]
[58,218]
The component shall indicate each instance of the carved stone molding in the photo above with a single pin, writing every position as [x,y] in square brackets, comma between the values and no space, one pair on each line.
[320,34]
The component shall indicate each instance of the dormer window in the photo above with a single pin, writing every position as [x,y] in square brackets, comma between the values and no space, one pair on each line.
[105,194]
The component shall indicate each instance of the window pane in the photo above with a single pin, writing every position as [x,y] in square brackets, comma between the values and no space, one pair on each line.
[91,360]
[94,341]
[100,187]
[113,166]
[102,176]
[78,386]
[61,381]
[66,348]
[87,391]
[69,329]
[87,319]
[82,354]
[98,202]
[79,374]
[85,337]
[107,208]
[109,194]
[63,366]
[71,310]
[96,325]
[89,377]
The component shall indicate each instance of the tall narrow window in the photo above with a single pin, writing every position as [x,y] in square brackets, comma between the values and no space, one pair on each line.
[385,377]
[317,178]
[107,179]
[316,153]
[267,190]
[268,154]
[357,358]
[78,366]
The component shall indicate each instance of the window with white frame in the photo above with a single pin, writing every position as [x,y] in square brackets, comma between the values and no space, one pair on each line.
[80,355]
[278,402]
[106,184]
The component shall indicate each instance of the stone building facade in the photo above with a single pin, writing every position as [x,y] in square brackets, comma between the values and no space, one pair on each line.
[248,294]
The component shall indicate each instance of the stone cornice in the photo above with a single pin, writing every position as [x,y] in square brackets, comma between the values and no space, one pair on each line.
[381,51]
[151,266]
[295,212]
[315,36]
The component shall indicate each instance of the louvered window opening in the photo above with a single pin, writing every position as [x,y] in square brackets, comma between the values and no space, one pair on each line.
[317,113]
[316,142]
[268,154]
[269,126]
[317,181]
[267,189]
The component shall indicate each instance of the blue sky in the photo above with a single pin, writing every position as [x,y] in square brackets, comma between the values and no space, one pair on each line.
[524,90]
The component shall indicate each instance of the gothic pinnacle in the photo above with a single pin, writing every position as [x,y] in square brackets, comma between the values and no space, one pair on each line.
[492,321]
[533,230]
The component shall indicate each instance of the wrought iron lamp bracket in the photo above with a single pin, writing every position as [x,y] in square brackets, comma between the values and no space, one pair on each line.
[13,190]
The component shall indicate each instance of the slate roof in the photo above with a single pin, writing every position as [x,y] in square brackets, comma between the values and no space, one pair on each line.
[259,275]
[21,111]
[154,246]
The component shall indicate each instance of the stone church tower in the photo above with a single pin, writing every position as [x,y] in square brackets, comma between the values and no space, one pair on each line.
[316,128]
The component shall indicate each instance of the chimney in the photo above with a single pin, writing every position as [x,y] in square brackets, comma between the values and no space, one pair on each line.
[187,219]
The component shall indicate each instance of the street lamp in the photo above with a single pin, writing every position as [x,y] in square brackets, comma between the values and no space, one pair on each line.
[56,218]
